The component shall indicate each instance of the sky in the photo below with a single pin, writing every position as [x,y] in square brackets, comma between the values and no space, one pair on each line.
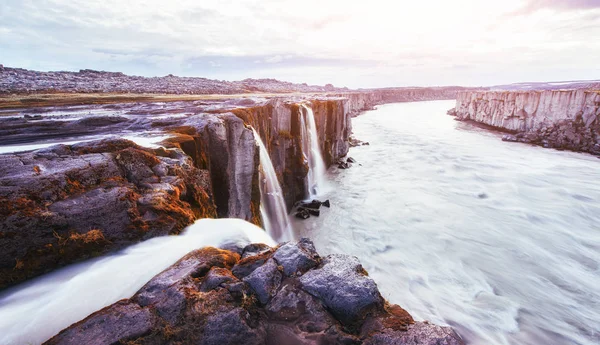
[374,43]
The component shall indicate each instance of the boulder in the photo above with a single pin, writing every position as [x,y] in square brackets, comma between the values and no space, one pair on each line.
[311,211]
[297,257]
[265,281]
[302,214]
[343,286]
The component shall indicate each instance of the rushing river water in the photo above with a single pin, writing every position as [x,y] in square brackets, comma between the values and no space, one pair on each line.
[500,240]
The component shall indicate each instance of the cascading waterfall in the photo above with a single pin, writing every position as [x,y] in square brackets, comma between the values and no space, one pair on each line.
[272,206]
[316,180]
[36,310]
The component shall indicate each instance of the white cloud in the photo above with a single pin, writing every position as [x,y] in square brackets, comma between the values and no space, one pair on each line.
[274,59]
[405,42]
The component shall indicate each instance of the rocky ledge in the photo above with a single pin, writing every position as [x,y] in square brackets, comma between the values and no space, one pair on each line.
[67,203]
[257,295]
[561,119]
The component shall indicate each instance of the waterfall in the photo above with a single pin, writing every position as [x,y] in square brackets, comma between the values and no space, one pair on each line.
[36,310]
[272,206]
[316,179]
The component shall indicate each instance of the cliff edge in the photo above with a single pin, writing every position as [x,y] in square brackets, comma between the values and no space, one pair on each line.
[561,119]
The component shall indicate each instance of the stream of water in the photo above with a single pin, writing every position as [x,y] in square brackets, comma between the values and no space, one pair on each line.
[34,311]
[272,205]
[500,240]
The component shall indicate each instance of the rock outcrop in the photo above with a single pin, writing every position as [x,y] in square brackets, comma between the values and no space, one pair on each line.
[257,295]
[70,202]
[278,123]
[564,119]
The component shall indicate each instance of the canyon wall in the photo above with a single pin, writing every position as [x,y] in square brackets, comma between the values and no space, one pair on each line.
[278,123]
[563,119]
[358,101]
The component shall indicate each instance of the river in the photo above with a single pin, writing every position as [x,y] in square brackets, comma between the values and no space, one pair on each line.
[500,240]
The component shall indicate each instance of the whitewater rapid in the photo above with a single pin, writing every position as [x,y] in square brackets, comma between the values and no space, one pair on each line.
[500,240]
[33,312]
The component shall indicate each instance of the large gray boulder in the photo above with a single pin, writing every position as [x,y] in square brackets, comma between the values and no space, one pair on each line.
[297,257]
[265,281]
[342,285]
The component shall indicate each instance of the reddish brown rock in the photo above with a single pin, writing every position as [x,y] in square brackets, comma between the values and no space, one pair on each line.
[68,203]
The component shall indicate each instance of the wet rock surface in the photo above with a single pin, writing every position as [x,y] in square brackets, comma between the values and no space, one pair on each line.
[561,119]
[71,202]
[327,300]
[306,209]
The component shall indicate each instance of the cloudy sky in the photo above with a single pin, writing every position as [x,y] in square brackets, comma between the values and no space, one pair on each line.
[352,43]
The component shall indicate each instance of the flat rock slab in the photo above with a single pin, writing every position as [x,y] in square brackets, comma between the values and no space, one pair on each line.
[120,322]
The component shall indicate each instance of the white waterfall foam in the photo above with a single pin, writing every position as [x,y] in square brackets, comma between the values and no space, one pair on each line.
[34,311]
[272,206]
[316,179]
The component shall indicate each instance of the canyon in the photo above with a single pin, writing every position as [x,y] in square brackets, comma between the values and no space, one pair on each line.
[561,119]
[83,181]
[55,199]
[84,175]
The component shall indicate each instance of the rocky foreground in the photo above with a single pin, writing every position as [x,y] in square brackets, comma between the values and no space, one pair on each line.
[257,295]
[561,119]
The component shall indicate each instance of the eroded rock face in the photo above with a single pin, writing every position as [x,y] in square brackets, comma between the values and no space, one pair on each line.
[199,300]
[67,203]
[559,119]
[278,123]
[226,147]
[359,101]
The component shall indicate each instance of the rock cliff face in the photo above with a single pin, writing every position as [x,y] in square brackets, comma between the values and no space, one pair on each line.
[278,123]
[560,119]
[223,143]
[67,203]
[257,295]
[359,101]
